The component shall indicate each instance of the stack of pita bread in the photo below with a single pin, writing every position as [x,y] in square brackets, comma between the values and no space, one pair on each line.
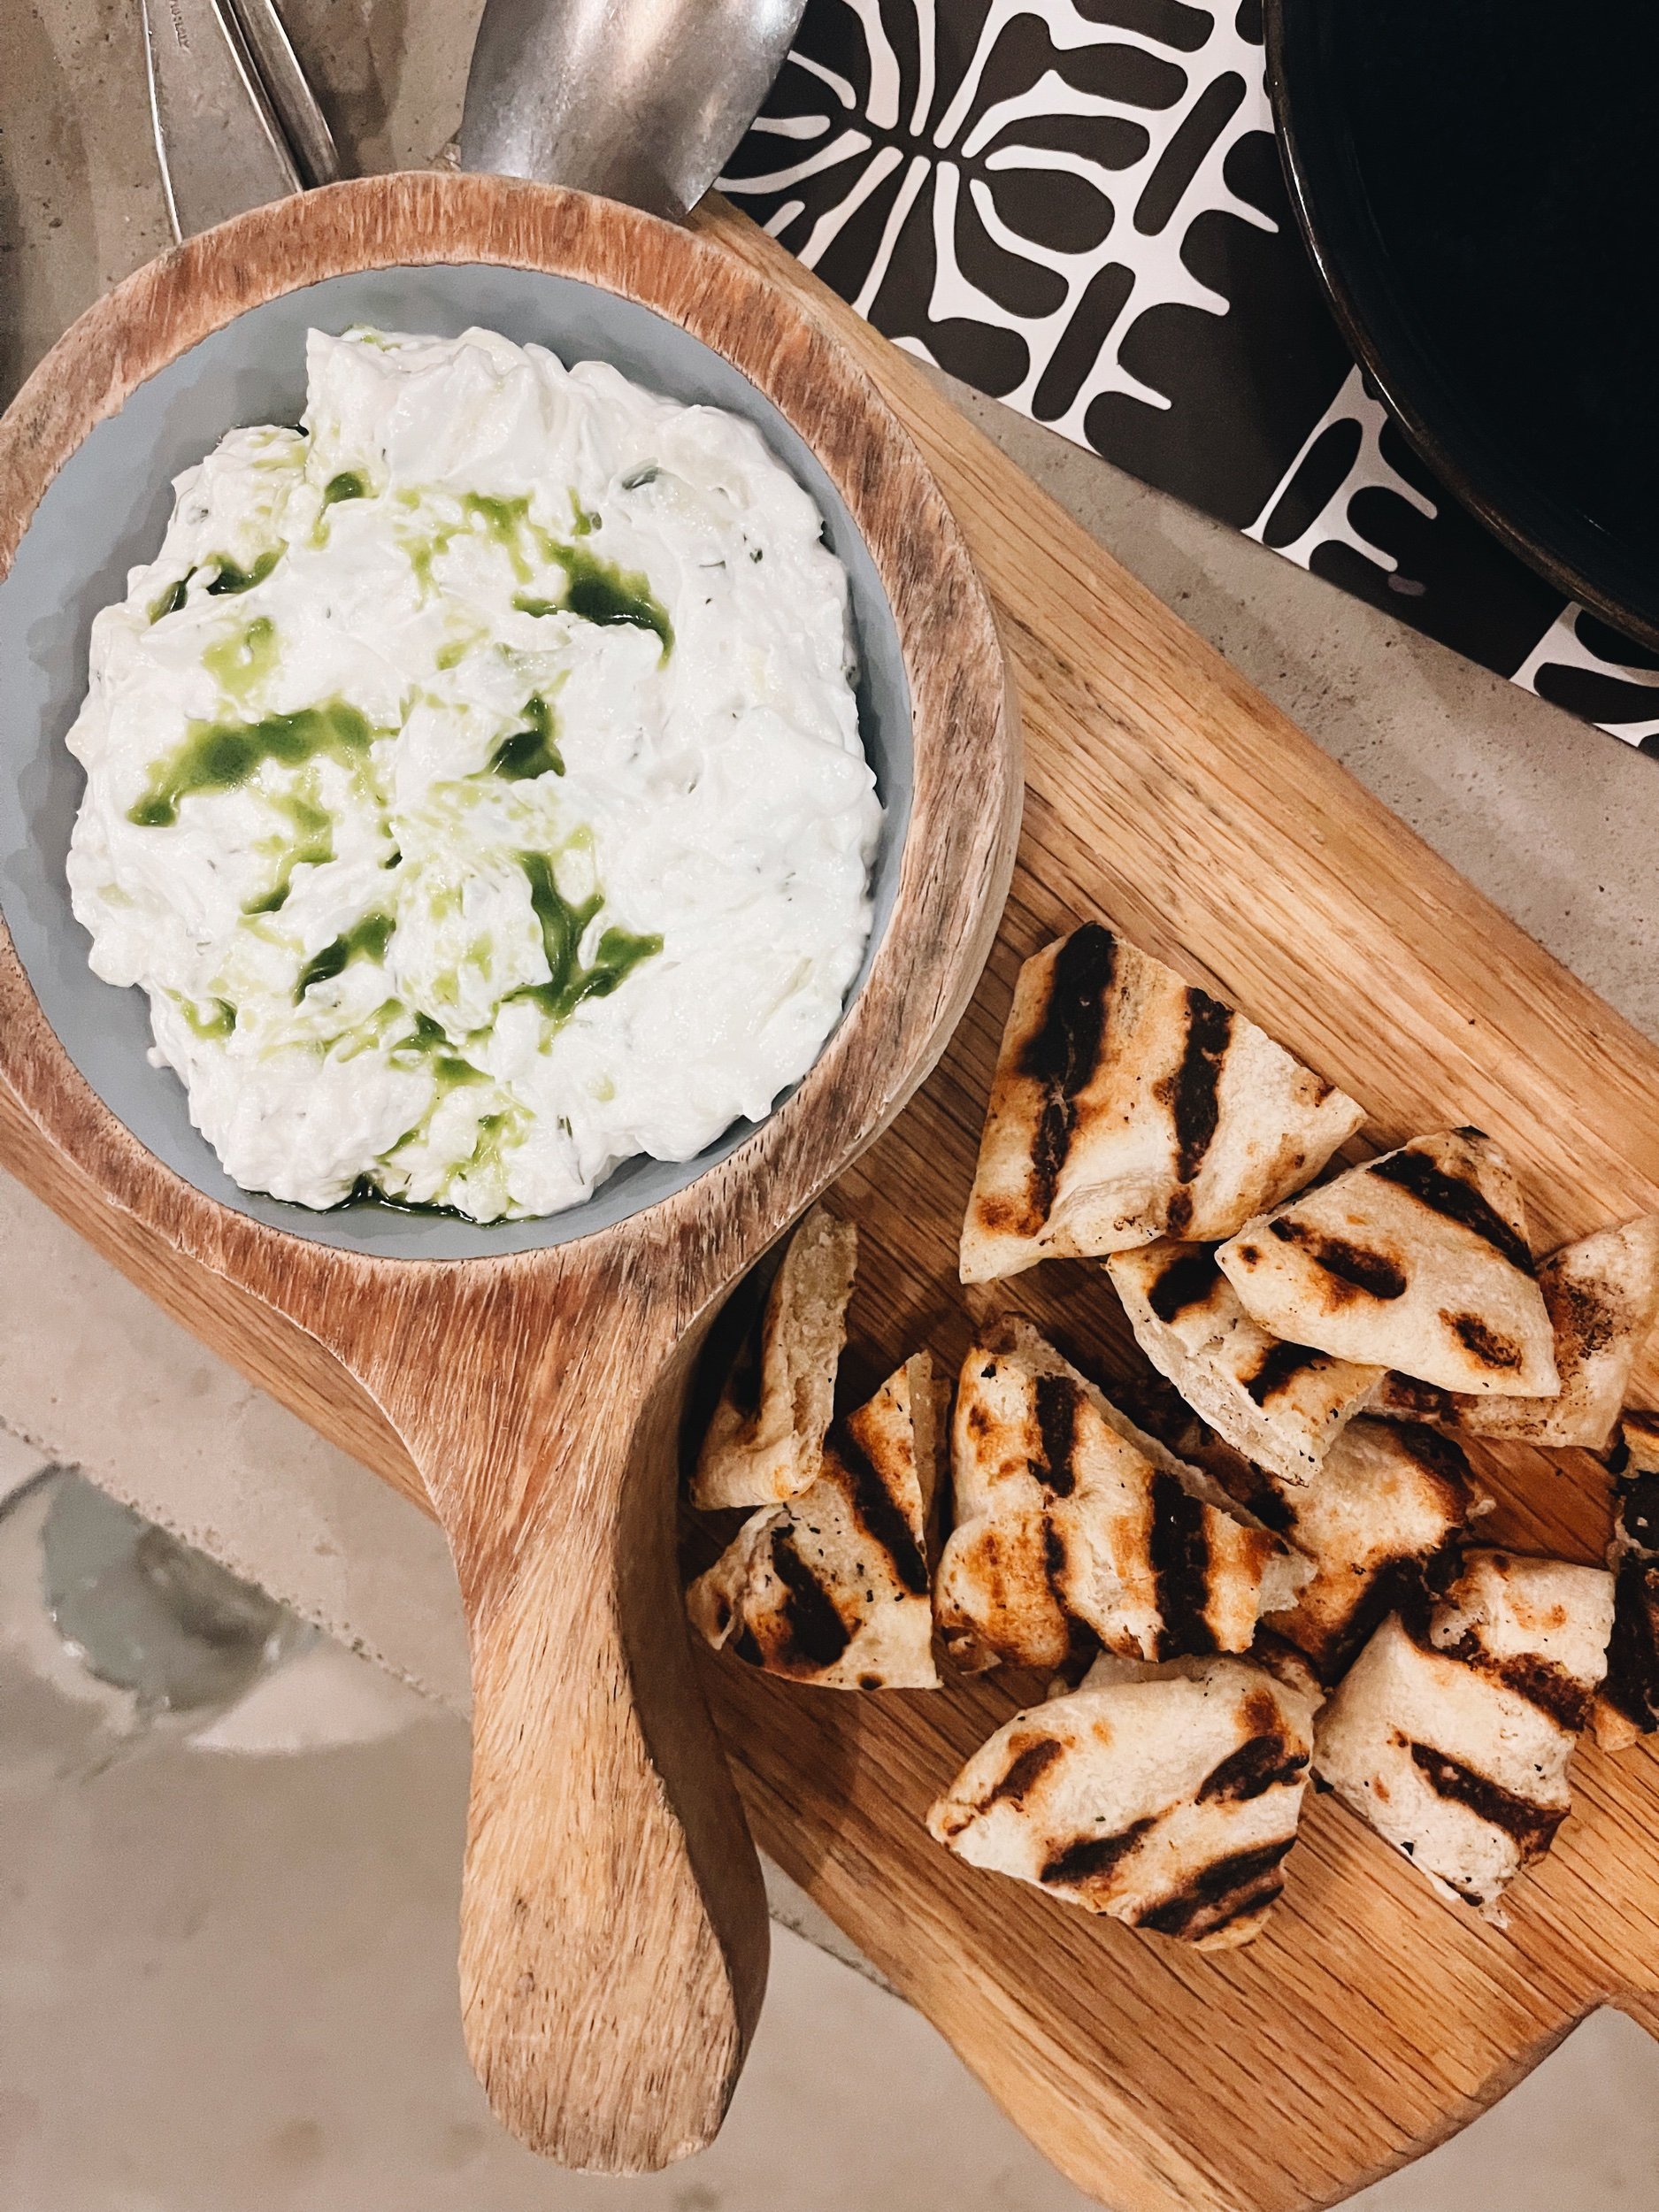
[1326,1345]
[1252,1564]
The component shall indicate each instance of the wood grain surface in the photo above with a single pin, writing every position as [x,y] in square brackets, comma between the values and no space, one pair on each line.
[1164,796]
[613,1921]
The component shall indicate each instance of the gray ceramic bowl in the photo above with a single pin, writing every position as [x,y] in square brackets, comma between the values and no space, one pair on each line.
[106,510]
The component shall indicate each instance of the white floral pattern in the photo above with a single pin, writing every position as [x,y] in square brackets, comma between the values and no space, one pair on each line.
[1075,205]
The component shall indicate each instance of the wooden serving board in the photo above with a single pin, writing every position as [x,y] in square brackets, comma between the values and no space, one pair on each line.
[1167,797]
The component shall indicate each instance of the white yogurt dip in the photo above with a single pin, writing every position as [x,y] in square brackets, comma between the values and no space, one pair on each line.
[473,781]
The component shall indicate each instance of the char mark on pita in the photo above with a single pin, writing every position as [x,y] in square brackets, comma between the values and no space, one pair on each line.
[1085,1864]
[1455,1197]
[1602,1295]
[1194,1096]
[1531,1827]
[1064,1053]
[1165,1796]
[1352,1268]
[1454,1741]
[811,1633]
[1185,1276]
[1057,1397]
[883,1518]
[1180,1553]
[1281,1364]
[831,1587]
[1264,1762]
[1417,1262]
[1229,1892]
[1031,1760]
[1129,1104]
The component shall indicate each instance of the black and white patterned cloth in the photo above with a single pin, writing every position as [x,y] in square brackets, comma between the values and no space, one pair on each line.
[1076,205]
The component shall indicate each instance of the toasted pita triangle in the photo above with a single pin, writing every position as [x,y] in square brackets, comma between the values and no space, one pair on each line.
[1066,1530]
[1455,1747]
[831,1587]
[1380,1525]
[1167,1800]
[1128,1105]
[1602,1295]
[1281,1405]
[764,1441]
[1416,1261]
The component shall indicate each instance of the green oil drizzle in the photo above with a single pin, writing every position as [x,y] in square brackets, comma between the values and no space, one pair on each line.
[313,846]
[221,755]
[212,1028]
[366,1192]
[597,590]
[619,951]
[172,598]
[533,751]
[349,484]
[431,1049]
[238,664]
[504,519]
[231,579]
[366,940]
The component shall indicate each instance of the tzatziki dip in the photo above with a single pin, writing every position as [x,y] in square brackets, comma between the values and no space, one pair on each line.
[474,783]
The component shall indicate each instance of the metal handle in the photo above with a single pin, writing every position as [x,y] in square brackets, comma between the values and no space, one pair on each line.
[310,139]
[220,134]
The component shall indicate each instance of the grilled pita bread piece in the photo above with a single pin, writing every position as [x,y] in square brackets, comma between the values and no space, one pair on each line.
[1066,1530]
[1627,1705]
[1280,1404]
[1455,1747]
[1417,1260]
[831,1587]
[1127,1105]
[1379,1528]
[1602,1295]
[764,1441]
[1168,1801]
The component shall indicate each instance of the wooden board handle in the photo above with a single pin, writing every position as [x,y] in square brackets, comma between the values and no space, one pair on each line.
[613,1919]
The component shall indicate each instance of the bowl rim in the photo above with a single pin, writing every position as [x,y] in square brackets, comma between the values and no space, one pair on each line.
[958,850]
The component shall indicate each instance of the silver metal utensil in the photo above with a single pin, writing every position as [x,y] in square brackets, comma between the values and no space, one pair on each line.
[310,139]
[637,100]
[235,121]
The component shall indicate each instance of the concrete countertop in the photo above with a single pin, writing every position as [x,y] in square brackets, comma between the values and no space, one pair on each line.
[1554,821]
